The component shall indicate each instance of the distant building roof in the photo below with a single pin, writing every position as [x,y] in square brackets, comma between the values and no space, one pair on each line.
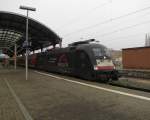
[147,40]
[136,48]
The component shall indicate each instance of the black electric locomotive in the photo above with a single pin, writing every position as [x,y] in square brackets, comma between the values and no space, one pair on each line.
[84,59]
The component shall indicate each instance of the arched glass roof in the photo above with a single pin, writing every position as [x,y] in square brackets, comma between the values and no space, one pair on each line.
[13,28]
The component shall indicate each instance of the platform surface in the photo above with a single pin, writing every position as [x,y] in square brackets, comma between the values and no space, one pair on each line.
[46,97]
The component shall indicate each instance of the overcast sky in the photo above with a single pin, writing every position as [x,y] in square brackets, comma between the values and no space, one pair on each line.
[115,23]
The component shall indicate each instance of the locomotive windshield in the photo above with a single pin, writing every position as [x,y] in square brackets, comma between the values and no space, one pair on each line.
[99,52]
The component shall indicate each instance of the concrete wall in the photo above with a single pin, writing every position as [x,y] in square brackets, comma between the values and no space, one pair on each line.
[136,58]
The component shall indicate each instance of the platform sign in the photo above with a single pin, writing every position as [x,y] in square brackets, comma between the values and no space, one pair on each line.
[26,44]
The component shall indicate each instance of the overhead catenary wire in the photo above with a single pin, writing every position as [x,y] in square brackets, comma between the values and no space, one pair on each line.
[121,29]
[124,28]
[121,38]
[127,36]
[81,16]
[109,20]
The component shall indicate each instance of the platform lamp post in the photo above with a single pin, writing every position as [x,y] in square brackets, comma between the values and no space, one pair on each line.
[26,41]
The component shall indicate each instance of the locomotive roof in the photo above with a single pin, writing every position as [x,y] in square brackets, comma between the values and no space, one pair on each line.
[91,45]
[81,42]
[79,47]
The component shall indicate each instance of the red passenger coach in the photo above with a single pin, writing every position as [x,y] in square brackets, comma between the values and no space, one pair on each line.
[32,60]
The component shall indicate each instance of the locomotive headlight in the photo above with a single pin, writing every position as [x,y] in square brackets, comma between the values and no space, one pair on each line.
[95,68]
[114,67]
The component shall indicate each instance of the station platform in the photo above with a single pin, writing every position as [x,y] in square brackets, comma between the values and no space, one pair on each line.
[37,98]
[20,99]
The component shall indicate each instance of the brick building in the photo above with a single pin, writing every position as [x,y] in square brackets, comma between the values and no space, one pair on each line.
[136,58]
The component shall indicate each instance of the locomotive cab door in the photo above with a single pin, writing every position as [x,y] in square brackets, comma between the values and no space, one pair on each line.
[83,65]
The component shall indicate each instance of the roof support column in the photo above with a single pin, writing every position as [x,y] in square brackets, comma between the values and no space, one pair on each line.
[60,43]
[27,46]
[41,49]
[15,57]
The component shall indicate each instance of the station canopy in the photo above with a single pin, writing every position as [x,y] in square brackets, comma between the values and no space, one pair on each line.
[13,31]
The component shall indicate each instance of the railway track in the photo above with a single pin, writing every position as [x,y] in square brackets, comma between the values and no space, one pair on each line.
[129,87]
[125,84]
